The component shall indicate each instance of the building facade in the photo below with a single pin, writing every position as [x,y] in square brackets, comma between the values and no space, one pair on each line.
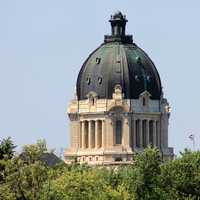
[119,106]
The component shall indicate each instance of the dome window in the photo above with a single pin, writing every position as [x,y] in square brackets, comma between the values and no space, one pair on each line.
[138,59]
[137,78]
[99,80]
[88,80]
[98,60]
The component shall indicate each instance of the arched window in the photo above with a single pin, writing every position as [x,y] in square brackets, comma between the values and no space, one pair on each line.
[118,132]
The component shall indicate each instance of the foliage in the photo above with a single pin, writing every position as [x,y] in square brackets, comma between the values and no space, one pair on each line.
[147,171]
[181,177]
[26,177]
[32,153]
[6,148]
[6,152]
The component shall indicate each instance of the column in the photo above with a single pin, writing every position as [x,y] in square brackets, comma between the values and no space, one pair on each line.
[103,134]
[134,133]
[96,134]
[154,133]
[158,133]
[93,134]
[90,135]
[83,134]
[80,135]
[140,132]
[147,129]
[100,133]
[125,132]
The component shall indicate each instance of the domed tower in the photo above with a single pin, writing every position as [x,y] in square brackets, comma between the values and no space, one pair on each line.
[119,106]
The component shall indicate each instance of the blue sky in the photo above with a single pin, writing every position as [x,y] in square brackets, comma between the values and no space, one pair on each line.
[44,43]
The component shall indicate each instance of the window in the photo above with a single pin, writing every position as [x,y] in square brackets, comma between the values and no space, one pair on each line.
[88,80]
[118,159]
[98,60]
[92,101]
[137,78]
[99,80]
[143,101]
[118,132]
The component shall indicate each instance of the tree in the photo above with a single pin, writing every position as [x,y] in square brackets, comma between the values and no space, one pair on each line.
[86,183]
[6,152]
[28,177]
[25,175]
[180,178]
[6,148]
[33,152]
[147,171]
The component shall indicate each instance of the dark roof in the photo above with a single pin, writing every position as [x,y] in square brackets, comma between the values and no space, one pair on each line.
[118,61]
[50,159]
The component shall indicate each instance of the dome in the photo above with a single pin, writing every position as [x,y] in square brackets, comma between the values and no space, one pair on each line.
[118,61]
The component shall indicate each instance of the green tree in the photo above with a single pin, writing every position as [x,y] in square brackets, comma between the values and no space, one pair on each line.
[6,148]
[6,152]
[180,178]
[147,171]
[27,177]
[33,152]
[26,174]
[86,183]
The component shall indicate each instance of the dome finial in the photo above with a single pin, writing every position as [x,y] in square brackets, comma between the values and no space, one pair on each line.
[118,23]
[118,29]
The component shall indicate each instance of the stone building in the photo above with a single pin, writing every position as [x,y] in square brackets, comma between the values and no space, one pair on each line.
[119,106]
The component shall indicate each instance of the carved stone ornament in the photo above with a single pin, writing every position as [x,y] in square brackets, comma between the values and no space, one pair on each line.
[92,97]
[117,95]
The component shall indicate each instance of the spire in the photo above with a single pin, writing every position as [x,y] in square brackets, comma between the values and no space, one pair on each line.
[118,29]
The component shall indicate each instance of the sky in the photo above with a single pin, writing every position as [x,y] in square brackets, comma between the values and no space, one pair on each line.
[43,45]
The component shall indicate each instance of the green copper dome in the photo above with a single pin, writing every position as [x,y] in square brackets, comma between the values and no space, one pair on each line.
[118,61]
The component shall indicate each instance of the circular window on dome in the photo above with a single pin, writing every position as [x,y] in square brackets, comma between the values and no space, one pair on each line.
[99,80]
[88,80]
